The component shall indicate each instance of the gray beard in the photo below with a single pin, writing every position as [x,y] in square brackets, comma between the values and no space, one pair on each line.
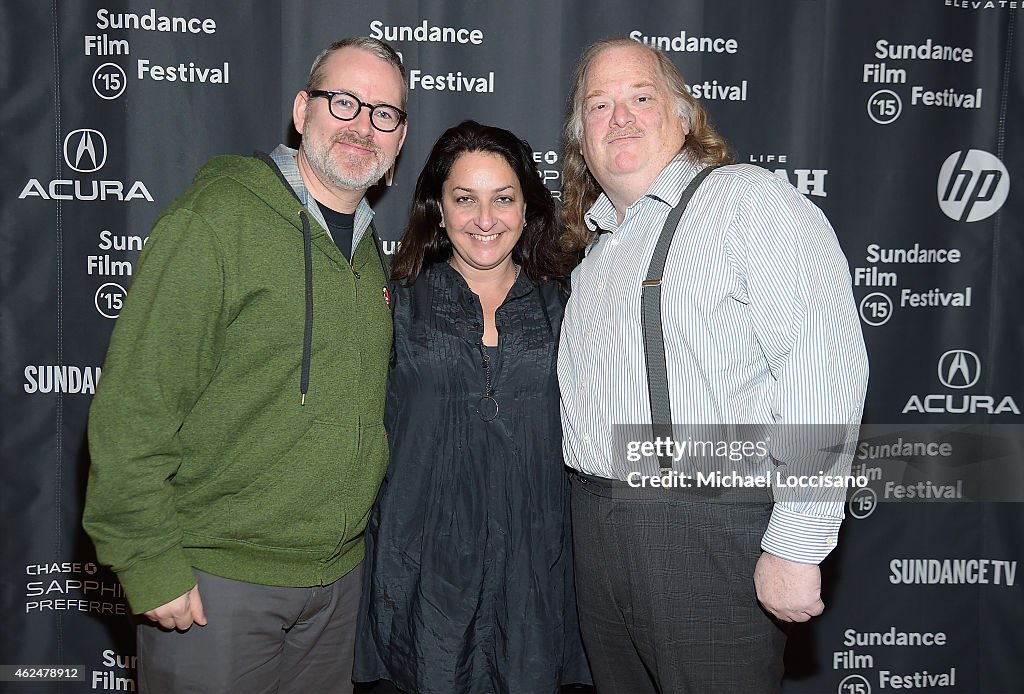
[329,170]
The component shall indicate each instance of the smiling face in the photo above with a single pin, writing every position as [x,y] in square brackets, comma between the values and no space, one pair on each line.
[631,125]
[347,157]
[483,212]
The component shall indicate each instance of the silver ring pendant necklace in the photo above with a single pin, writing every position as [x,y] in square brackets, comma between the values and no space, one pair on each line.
[488,406]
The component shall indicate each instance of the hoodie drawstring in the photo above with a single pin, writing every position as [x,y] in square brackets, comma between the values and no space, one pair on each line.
[307,249]
[307,338]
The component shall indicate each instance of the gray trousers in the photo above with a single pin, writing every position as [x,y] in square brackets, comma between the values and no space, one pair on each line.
[258,639]
[665,587]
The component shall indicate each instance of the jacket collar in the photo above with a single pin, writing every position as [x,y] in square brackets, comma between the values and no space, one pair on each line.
[284,157]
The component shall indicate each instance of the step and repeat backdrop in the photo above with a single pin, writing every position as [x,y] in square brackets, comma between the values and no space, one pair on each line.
[901,120]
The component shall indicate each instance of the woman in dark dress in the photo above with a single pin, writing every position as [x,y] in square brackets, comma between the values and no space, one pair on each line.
[468,584]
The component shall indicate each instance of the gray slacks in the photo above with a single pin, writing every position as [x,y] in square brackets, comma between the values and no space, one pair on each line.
[258,639]
[665,588]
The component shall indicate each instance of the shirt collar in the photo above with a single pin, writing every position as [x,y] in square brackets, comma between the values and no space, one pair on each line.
[667,188]
[444,272]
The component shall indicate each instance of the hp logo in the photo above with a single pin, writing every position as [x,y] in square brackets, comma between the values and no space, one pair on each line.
[973,185]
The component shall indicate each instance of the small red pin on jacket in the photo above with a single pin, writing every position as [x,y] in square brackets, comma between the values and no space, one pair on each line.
[387,297]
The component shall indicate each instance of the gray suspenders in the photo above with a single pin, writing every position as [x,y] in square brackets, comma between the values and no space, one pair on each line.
[654,337]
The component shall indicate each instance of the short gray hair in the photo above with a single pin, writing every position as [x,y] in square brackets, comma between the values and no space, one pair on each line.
[366,43]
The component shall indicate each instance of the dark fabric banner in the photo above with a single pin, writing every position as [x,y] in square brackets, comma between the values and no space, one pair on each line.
[901,120]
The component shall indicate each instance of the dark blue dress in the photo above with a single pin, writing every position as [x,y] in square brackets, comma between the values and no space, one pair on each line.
[468,573]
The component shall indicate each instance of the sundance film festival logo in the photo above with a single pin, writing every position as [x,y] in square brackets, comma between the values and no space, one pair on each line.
[972,186]
[959,368]
[85,150]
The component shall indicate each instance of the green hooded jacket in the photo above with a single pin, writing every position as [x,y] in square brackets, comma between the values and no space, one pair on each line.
[203,452]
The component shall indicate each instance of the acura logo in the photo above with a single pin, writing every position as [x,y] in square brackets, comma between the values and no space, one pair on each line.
[85,150]
[959,368]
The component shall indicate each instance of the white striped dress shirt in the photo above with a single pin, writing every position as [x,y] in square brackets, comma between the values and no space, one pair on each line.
[760,328]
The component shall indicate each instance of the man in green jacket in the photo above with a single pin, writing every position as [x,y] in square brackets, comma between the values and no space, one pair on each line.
[237,435]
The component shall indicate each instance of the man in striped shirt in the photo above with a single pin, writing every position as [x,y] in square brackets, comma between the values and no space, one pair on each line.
[686,589]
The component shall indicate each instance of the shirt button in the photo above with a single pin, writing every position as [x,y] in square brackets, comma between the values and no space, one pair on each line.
[586,438]
[600,286]
[615,242]
[830,540]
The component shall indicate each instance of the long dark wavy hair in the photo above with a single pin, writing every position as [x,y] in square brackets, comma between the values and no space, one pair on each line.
[539,250]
